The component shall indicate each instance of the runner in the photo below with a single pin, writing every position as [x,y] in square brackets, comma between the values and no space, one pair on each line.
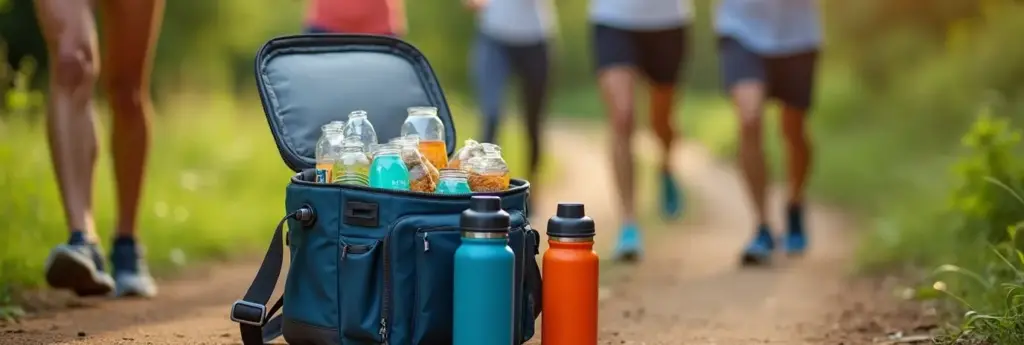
[130,31]
[513,38]
[634,38]
[380,17]
[769,50]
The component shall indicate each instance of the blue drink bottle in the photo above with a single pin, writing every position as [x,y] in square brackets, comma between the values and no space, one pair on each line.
[484,269]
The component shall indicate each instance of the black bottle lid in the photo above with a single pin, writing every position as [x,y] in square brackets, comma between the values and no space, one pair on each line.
[571,221]
[485,215]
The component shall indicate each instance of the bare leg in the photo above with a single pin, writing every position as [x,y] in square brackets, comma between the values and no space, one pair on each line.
[617,92]
[70,34]
[662,104]
[798,151]
[131,29]
[748,99]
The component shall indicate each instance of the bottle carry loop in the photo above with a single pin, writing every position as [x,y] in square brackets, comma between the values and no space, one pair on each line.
[251,312]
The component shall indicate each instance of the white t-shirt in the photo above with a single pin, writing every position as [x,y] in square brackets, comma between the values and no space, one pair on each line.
[641,14]
[517,21]
[771,27]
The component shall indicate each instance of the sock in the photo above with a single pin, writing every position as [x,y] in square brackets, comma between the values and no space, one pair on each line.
[795,218]
[77,237]
[122,240]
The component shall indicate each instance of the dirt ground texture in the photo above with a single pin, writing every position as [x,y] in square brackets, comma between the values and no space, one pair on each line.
[689,289]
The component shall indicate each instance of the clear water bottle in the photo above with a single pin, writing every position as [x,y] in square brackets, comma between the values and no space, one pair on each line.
[359,126]
[484,269]
[453,181]
[387,170]
[327,149]
[352,166]
[424,123]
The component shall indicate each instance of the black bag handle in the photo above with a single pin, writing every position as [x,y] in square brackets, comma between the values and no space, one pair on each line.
[251,312]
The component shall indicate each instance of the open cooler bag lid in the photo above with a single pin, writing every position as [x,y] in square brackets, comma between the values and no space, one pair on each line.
[306,81]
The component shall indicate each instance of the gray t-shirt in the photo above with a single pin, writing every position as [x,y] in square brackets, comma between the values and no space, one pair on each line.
[771,27]
[641,14]
[517,21]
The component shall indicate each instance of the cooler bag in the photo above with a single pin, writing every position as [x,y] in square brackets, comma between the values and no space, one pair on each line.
[367,265]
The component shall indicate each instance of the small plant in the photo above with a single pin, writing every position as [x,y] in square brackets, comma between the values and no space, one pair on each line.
[1003,321]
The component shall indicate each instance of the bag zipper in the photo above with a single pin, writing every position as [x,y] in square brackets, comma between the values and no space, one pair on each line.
[385,304]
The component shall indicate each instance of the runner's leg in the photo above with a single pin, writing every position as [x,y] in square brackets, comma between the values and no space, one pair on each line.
[490,73]
[532,64]
[70,33]
[744,74]
[661,54]
[792,80]
[131,29]
[616,60]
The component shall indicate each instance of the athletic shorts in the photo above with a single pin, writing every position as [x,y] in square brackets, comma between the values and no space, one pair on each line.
[659,55]
[788,79]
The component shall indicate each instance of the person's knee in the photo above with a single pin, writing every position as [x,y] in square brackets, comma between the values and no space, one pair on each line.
[75,66]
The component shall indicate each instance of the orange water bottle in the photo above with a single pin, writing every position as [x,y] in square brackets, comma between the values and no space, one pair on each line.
[570,279]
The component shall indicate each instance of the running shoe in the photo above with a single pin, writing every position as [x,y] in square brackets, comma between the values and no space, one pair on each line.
[759,250]
[630,245]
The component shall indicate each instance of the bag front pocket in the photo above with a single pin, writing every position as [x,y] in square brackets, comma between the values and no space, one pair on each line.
[435,263]
[360,287]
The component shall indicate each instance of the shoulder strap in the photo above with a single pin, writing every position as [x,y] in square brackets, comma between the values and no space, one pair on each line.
[251,312]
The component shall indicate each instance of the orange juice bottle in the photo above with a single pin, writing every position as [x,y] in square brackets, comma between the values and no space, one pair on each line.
[570,279]
[424,123]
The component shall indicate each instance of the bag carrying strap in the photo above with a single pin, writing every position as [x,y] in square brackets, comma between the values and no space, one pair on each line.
[251,312]
[532,278]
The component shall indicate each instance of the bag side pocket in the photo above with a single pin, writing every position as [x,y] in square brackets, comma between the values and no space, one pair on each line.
[311,288]
[360,287]
[435,272]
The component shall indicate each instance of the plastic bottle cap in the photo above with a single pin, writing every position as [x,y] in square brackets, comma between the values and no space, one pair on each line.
[570,220]
[485,215]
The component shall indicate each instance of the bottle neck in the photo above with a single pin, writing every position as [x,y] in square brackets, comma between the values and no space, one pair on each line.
[474,235]
[571,242]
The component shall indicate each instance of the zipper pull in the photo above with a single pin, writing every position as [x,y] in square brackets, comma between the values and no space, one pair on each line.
[344,252]
[383,330]
[426,243]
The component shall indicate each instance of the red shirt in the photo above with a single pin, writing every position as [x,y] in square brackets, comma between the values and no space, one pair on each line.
[383,17]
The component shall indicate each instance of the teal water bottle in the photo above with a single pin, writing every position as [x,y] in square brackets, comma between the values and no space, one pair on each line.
[484,270]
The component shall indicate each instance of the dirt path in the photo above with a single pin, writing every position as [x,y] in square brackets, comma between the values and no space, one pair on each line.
[688,290]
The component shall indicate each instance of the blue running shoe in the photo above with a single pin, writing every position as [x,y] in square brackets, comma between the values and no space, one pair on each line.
[671,196]
[78,266]
[629,247]
[131,275]
[796,235]
[759,251]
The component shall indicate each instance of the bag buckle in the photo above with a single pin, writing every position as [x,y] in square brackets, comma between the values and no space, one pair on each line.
[248,313]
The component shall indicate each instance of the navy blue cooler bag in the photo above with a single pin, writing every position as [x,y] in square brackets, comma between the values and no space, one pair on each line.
[368,266]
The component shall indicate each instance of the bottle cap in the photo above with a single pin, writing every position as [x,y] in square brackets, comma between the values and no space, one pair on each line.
[571,221]
[485,215]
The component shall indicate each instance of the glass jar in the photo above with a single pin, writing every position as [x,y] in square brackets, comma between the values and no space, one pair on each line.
[453,181]
[352,166]
[387,170]
[424,122]
[489,172]
[423,175]
[359,126]
[327,149]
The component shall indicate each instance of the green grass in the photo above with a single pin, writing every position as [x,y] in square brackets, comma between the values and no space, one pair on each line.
[214,187]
